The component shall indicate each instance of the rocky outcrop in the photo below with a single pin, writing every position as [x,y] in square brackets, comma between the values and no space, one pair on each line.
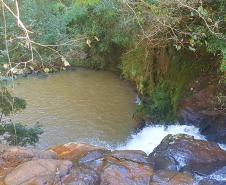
[178,160]
[201,110]
[184,153]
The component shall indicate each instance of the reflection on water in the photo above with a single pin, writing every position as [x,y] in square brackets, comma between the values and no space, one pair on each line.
[82,106]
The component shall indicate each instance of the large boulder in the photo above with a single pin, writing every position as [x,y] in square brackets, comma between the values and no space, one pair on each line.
[11,157]
[117,172]
[184,153]
[201,110]
[39,172]
[215,128]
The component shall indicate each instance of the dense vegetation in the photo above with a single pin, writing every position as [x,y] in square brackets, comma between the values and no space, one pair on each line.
[160,45]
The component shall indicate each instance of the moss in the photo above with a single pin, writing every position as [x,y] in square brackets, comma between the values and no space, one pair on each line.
[162,77]
[136,66]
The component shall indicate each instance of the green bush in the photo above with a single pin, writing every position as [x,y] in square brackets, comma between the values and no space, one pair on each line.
[18,134]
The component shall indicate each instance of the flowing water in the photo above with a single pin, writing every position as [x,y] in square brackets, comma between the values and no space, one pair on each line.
[85,106]
[80,106]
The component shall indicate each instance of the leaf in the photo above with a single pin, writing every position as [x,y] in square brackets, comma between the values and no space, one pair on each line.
[97,39]
[66,63]
[191,42]
[46,70]
[202,11]
[5,66]
[88,42]
[178,47]
[191,49]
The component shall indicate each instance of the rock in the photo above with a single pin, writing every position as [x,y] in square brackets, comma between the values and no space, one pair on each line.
[211,182]
[93,155]
[215,128]
[216,178]
[166,177]
[117,172]
[184,153]
[200,110]
[11,157]
[94,159]
[131,155]
[75,152]
[39,172]
[83,176]
[19,154]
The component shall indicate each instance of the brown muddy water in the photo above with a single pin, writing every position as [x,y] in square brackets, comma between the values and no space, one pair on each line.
[93,107]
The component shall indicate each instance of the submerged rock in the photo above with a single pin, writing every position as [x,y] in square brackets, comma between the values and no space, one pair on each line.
[184,153]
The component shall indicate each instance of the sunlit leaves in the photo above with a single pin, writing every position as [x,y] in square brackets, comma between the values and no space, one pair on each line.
[87,2]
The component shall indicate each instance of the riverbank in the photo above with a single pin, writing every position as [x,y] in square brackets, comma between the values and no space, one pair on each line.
[178,160]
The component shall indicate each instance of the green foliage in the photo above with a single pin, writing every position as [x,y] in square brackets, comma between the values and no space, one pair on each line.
[136,66]
[87,2]
[15,133]
[159,105]
[10,104]
[18,134]
[97,33]
[106,32]
[218,46]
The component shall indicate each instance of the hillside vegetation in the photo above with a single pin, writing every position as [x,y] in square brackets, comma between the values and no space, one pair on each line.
[162,46]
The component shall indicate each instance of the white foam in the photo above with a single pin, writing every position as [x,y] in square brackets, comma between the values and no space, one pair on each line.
[151,136]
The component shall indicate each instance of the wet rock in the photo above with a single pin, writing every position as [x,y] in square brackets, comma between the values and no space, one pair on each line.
[39,172]
[131,155]
[83,176]
[192,109]
[93,155]
[200,110]
[117,172]
[216,178]
[211,182]
[75,152]
[166,177]
[215,128]
[94,159]
[184,153]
